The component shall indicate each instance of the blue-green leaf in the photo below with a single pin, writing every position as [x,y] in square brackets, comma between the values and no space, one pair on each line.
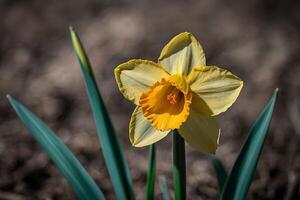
[240,178]
[164,188]
[84,186]
[151,173]
[111,148]
[220,171]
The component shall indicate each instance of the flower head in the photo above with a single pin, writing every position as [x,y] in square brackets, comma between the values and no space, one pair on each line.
[179,92]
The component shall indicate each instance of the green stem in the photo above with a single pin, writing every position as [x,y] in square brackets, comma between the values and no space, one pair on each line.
[179,175]
[151,173]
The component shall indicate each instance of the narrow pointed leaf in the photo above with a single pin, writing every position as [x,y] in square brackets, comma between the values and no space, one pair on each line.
[111,148]
[240,178]
[151,172]
[164,188]
[84,186]
[220,171]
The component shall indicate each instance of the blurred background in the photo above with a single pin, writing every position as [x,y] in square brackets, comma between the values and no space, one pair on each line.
[258,40]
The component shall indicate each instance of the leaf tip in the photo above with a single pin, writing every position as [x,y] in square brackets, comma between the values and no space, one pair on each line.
[275,93]
[276,90]
[73,33]
[10,98]
[71,29]
[79,50]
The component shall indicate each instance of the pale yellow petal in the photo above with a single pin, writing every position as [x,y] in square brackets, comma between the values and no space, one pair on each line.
[201,132]
[217,87]
[181,54]
[141,133]
[136,76]
[200,106]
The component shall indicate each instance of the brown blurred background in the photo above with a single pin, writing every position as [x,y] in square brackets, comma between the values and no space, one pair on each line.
[258,40]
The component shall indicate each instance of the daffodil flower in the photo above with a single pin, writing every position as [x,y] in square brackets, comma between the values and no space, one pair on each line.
[179,92]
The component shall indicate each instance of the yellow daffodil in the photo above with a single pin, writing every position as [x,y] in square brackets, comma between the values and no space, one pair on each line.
[179,92]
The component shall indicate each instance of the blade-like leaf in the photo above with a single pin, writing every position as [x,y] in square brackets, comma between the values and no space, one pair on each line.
[164,188]
[111,148]
[151,173]
[240,178]
[84,186]
[220,171]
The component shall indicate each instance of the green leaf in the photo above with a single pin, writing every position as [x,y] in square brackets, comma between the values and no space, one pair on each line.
[179,173]
[84,186]
[151,173]
[111,148]
[164,188]
[220,171]
[240,178]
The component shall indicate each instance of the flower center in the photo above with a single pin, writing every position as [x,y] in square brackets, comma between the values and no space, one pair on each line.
[173,96]
[166,104]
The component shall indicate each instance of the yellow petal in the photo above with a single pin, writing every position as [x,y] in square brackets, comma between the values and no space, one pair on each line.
[181,54]
[166,105]
[217,87]
[200,106]
[201,132]
[141,133]
[136,76]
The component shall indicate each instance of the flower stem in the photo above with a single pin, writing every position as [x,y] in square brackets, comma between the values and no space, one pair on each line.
[179,175]
[151,173]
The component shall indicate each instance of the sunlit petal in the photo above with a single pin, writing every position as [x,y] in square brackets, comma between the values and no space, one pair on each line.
[181,54]
[136,76]
[201,132]
[141,132]
[218,88]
